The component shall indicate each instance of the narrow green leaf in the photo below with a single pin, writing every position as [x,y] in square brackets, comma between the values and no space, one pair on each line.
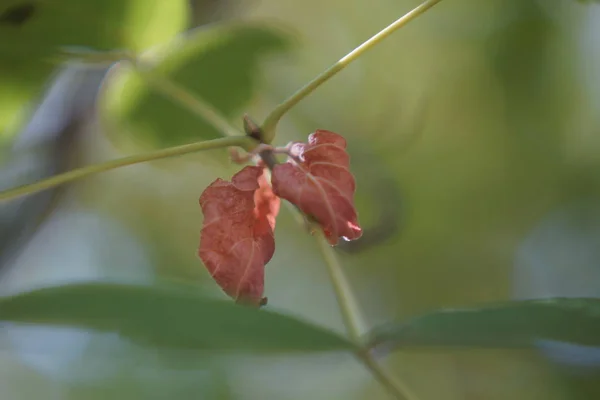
[34,32]
[510,324]
[219,65]
[167,317]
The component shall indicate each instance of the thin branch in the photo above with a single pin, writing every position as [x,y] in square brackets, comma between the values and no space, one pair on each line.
[242,141]
[395,387]
[343,292]
[173,92]
[270,123]
[352,320]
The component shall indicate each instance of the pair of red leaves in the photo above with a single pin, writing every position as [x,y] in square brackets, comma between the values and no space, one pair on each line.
[237,238]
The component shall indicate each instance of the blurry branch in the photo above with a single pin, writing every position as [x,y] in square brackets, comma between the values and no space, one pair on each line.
[83,172]
[270,124]
[43,148]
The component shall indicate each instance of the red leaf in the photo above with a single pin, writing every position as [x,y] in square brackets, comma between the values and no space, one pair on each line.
[237,234]
[317,179]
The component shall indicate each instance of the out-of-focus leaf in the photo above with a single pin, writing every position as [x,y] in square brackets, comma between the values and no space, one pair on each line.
[30,28]
[167,317]
[510,324]
[33,33]
[217,64]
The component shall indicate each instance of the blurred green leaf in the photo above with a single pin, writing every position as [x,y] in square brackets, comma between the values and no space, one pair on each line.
[167,317]
[218,65]
[33,33]
[31,28]
[510,324]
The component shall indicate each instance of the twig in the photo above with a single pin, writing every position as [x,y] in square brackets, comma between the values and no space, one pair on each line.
[270,123]
[352,320]
[242,141]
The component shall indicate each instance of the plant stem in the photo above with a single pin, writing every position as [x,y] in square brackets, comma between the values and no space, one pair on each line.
[343,292]
[242,141]
[189,101]
[270,123]
[352,320]
[395,387]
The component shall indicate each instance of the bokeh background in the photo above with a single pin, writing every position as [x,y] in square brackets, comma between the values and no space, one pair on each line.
[474,134]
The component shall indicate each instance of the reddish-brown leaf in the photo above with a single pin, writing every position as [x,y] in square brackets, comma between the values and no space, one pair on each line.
[317,179]
[237,233]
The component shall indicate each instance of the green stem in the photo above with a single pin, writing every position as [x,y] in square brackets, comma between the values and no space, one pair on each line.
[189,101]
[352,320]
[270,123]
[242,141]
[343,292]
[395,387]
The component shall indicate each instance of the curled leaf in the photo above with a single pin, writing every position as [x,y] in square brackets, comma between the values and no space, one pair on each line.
[317,179]
[237,239]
